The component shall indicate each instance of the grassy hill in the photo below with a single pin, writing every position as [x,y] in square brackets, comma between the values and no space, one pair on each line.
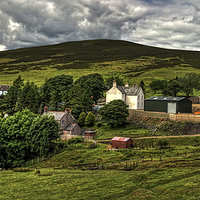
[131,61]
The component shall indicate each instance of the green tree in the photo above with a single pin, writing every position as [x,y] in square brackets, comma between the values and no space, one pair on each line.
[78,96]
[109,81]
[15,143]
[93,84]
[43,133]
[142,85]
[10,99]
[156,85]
[24,136]
[114,113]
[81,119]
[90,119]
[189,82]
[171,87]
[59,86]
[29,97]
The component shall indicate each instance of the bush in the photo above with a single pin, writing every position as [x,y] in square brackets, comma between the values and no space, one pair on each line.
[81,119]
[90,119]
[75,140]
[163,143]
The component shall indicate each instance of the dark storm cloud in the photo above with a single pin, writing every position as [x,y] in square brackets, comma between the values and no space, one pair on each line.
[169,24]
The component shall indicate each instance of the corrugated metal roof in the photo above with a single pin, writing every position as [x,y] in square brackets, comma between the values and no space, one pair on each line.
[165,98]
[123,139]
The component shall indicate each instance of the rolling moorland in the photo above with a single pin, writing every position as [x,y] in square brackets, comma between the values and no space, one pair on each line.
[175,176]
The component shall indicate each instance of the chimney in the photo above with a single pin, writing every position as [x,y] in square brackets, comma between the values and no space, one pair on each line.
[135,85]
[126,85]
[114,83]
[66,110]
[45,109]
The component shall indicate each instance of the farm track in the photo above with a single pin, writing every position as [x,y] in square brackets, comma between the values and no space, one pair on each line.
[170,136]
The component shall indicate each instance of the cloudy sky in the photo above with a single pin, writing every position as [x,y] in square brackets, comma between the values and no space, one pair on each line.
[173,24]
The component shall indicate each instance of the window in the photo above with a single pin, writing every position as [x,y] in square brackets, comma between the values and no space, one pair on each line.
[63,123]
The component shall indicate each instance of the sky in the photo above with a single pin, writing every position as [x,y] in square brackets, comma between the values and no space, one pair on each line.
[172,24]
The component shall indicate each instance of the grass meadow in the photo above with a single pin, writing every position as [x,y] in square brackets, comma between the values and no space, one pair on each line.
[154,183]
[132,62]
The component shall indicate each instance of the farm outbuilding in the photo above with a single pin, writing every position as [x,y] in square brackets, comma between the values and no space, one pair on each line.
[121,142]
[168,104]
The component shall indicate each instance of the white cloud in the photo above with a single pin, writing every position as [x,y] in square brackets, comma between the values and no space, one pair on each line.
[168,24]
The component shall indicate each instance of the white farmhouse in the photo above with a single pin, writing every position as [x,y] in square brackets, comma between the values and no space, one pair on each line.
[133,96]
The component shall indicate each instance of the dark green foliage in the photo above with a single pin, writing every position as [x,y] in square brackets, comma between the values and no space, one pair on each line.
[163,143]
[76,111]
[79,96]
[24,136]
[142,85]
[93,85]
[90,119]
[114,113]
[81,119]
[171,87]
[29,97]
[75,140]
[189,82]
[156,85]
[43,133]
[10,99]
[109,81]
[55,90]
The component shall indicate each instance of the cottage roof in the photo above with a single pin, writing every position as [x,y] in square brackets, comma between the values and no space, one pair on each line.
[165,98]
[130,91]
[58,115]
[70,127]
[123,139]
[4,87]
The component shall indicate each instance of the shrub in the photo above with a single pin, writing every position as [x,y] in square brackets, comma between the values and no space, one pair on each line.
[163,143]
[75,140]
[90,119]
[81,119]
[22,170]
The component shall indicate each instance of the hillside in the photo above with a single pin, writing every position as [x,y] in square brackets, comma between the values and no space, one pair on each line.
[131,61]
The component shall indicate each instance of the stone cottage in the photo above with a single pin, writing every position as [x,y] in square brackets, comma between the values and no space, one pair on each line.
[132,96]
[68,125]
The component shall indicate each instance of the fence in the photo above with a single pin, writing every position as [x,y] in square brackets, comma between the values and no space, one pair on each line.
[172,116]
[184,117]
[147,114]
[56,151]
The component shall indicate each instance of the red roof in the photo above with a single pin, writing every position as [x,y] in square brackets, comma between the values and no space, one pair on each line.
[123,139]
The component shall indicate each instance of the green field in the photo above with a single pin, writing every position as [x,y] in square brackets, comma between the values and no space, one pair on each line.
[133,62]
[175,176]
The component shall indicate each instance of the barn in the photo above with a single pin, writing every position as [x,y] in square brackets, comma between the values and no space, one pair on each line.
[168,104]
[121,142]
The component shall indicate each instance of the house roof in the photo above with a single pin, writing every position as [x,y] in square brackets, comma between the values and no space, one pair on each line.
[130,91]
[123,139]
[58,115]
[165,98]
[70,127]
[4,87]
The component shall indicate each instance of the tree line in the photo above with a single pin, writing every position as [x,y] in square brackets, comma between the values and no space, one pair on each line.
[57,93]
[183,84]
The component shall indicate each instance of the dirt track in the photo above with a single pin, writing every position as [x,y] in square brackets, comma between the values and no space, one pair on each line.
[167,136]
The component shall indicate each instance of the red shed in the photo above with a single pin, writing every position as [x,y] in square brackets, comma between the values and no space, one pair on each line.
[121,142]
